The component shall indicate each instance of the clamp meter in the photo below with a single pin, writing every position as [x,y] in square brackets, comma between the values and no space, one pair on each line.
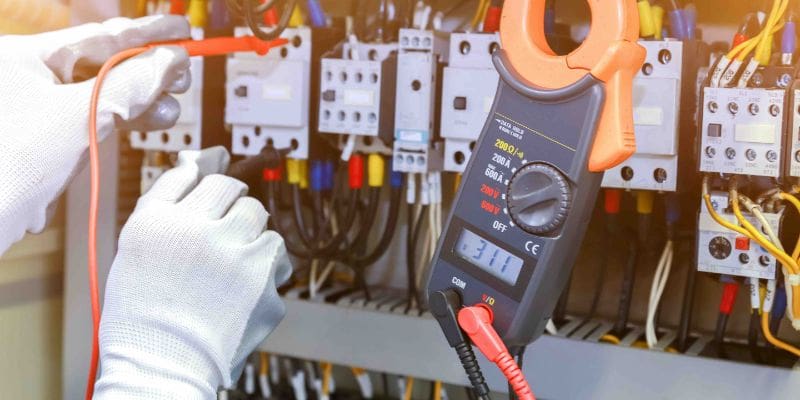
[529,189]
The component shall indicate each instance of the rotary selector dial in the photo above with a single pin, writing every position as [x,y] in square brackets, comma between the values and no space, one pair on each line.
[539,198]
[720,248]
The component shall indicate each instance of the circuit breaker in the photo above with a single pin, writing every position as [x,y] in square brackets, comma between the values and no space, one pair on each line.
[357,91]
[187,132]
[418,60]
[269,98]
[722,251]
[469,84]
[741,131]
[656,113]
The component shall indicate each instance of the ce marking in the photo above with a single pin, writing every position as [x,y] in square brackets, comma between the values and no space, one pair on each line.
[532,247]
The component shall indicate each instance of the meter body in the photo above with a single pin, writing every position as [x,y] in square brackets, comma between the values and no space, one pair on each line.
[524,204]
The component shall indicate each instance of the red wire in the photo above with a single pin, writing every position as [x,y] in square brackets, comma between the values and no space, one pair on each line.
[94,200]
[208,47]
[476,321]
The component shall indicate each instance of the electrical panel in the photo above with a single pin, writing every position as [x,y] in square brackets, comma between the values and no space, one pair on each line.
[268,97]
[357,91]
[469,84]
[722,251]
[188,130]
[656,113]
[741,131]
[418,60]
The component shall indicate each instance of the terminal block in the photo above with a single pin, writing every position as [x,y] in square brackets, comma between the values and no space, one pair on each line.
[421,52]
[722,251]
[357,91]
[272,99]
[469,84]
[187,132]
[656,113]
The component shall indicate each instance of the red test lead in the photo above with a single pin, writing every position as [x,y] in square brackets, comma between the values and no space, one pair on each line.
[477,324]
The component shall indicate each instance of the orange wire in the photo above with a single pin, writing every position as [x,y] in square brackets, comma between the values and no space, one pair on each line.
[94,200]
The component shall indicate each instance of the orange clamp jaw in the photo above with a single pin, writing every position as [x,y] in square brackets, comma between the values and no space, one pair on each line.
[609,53]
[225,45]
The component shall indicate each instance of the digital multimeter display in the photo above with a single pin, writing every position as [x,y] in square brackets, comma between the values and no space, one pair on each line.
[489,257]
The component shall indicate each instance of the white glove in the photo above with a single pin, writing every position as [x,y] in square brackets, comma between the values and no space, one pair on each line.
[192,291]
[44,109]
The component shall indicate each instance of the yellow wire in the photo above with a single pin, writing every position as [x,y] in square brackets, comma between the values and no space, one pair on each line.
[764,48]
[409,388]
[744,49]
[476,19]
[327,368]
[796,203]
[437,390]
[773,340]
[264,369]
[609,338]
[758,237]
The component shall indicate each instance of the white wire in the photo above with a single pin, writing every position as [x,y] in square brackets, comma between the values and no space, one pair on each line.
[349,146]
[656,291]
[551,327]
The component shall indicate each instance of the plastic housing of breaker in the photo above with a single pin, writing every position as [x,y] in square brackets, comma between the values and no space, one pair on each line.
[267,97]
[470,76]
[794,135]
[357,91]
[149,176]
[188,130]
[739,133]
[656,114]
[708,229]
[420,52]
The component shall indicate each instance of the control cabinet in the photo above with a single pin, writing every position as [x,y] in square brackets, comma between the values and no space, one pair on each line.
[469,84]
[656,113]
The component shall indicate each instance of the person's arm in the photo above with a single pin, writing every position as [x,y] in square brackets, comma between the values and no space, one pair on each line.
[192,291]
[45,86]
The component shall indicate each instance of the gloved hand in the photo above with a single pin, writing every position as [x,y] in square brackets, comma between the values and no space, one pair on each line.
[192,290]
[44,107]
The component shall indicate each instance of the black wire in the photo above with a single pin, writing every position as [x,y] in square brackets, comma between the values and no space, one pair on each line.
[626,294]
[299,219]
[561,307]
[687,308]
[601,275]
[388,233]
[752,336]
[719,336]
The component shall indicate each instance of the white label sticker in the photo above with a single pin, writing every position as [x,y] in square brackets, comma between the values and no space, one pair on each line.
[755,133]
[276,92]
[359,98]
[648,116]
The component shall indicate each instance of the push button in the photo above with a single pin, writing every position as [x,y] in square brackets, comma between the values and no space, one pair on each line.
[742,243]
[714,130]
[240,91]
[329,95]
[460,103]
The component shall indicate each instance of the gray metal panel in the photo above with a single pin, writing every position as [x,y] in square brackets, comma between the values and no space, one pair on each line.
[77,318]
[557,368]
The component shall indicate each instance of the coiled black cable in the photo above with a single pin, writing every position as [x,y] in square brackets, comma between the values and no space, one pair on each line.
[470,363]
